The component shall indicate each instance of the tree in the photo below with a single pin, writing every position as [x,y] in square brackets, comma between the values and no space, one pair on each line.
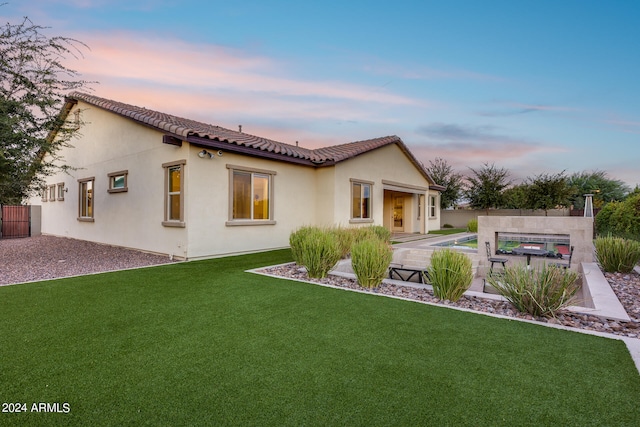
[443,174]
[600,185]
[546,192]
[33,85]
[515,197]
[484,189]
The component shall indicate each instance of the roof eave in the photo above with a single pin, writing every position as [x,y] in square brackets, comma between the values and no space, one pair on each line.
[232,147]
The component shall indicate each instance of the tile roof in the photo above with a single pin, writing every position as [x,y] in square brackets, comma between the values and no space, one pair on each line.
[198,132]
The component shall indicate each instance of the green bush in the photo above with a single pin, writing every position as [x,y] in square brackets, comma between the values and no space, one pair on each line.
[370,260]
[539,292]
[450,274]
[316,249]
[382,233]
[296,240]
[617,254]
[447,226]
[472,226]
[620,219]
[345,238]
[375,231]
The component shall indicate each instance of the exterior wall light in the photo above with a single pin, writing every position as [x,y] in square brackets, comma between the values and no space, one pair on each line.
[204,153]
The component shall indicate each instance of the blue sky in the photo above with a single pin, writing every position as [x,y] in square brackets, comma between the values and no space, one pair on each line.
[532,86]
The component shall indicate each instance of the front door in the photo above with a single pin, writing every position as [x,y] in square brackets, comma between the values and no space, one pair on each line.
[398,216]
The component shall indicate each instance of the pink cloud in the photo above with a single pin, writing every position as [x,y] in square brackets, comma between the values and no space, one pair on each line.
[128,56]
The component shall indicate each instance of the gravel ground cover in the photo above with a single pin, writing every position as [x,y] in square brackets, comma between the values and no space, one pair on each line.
[626,287]
[48,257]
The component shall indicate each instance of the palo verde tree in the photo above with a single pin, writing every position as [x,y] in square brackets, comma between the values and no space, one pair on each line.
[485,187]
[548,191]
[443,174]
[33,85]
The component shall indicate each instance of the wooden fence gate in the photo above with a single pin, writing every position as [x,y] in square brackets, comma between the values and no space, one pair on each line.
[16,222]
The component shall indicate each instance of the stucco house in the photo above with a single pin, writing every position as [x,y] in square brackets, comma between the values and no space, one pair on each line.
[160,183]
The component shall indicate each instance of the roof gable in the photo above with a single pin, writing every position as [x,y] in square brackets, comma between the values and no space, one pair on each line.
[207,135]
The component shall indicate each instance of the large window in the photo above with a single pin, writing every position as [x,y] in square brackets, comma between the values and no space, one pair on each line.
[85,209]
[174,194]
[361,200]
[251,196]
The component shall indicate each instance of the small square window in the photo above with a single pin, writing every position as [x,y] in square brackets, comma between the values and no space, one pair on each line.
[118,182]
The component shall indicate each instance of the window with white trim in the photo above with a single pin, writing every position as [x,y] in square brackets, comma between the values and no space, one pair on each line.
[361,200]
[174,194]
[52,193]
[250,195]
[85,208]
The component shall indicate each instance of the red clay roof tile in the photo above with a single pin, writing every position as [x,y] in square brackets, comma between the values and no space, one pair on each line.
[185,127]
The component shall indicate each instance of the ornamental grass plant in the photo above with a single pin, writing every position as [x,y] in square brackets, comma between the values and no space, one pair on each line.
[616,254]
[472,226]
[370,260]
[540,292]
[316,249]
[450,274]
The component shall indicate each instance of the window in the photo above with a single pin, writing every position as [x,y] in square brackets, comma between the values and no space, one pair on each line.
[52,193]
[251,196]
[85,211]
[361,200]
[118,182]
[45,193]
[61,189]
[174,193]
[432,206]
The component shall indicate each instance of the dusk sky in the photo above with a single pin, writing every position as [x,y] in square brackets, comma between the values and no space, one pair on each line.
[532,86]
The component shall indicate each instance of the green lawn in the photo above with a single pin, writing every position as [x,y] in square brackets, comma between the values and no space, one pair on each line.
[204,343]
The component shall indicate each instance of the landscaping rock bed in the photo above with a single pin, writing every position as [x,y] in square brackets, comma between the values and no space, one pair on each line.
[48,257]
[626,287]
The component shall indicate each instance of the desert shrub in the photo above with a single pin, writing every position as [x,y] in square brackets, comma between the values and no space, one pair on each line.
[472,226]
[316,249]
[539,292]
[450,274]
[370,260]
[617,254]
[382,233]
[375,231]
[345,238]
[296,240]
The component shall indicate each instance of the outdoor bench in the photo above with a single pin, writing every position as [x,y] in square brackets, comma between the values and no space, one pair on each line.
[406,273]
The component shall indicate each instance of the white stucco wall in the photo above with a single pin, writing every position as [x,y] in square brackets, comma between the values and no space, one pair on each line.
[387,164]
[301,195]
[109,143]
[208,225]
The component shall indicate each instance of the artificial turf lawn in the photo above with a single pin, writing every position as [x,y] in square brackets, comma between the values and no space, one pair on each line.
[204,343]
